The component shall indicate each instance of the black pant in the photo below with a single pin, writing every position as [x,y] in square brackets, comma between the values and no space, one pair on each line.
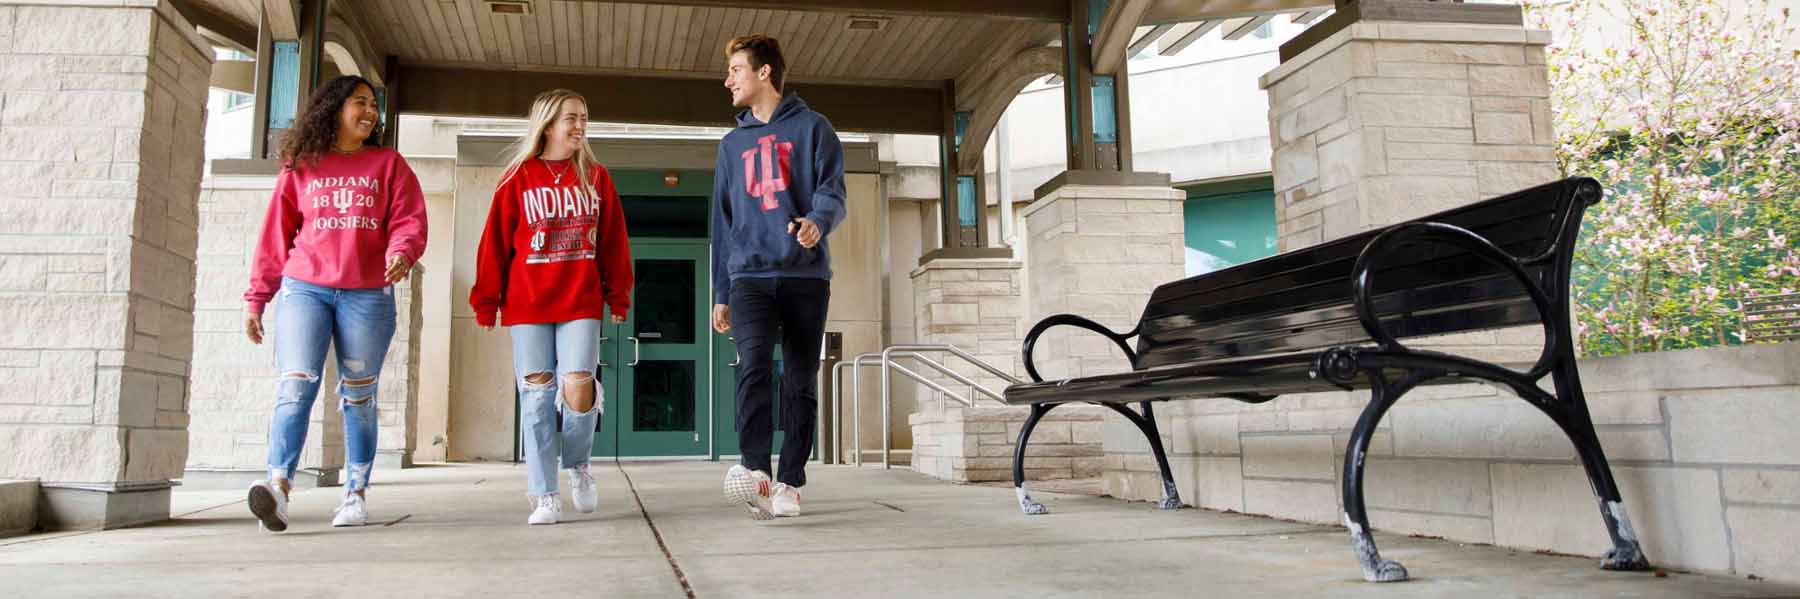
[793,311]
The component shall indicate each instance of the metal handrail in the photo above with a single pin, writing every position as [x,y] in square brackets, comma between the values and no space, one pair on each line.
[887,362]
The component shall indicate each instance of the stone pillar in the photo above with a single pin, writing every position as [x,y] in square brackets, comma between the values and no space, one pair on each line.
[100,149]
[976,304]
[398,404]
[973,304]
[1100,243]
[1387,121]
[1383,122]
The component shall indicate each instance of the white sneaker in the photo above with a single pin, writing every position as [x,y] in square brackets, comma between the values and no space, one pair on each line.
[751,488]
[269,503]
[786,502]
[352,512]
[547,510]
[587,493]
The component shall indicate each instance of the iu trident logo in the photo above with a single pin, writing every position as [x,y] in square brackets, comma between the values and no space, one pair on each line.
[537,241]
[775,170]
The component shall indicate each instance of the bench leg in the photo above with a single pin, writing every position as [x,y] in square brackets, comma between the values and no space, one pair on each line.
[1146,424]
[1627,553]
[1026,504]
[1356,518]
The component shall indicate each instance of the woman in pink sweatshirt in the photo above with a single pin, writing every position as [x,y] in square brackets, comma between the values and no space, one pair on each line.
[345,223]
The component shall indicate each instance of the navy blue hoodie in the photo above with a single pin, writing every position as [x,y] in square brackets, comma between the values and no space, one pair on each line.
[768,175]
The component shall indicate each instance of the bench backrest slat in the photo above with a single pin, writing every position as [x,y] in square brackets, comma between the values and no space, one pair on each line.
[1300,300]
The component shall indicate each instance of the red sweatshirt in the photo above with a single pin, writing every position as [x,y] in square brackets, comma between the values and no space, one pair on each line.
[336,223]
[552,252]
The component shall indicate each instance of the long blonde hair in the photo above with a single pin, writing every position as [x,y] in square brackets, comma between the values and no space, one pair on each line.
[543,113]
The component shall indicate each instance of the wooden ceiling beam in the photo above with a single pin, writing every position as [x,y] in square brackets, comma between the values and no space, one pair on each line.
[1055,11]
[451,91]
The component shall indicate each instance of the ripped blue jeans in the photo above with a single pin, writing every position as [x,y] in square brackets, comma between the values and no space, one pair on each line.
[571,350]
[308,319]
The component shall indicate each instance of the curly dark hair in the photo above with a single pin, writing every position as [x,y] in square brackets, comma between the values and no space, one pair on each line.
[315,130]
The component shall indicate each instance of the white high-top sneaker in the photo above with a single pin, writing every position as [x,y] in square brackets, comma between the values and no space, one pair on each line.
[352,512]
[751,488]
[786,502]
[547,509]
[269,503]
[586,492]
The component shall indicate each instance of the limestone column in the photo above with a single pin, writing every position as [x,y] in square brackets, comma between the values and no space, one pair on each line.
[102,117]
[1100,243]
[1386,121]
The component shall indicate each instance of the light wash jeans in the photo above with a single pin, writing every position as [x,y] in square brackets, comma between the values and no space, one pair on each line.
[563,348]
[310,317]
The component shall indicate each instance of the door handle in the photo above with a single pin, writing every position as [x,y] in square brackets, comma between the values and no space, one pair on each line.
[603,340]
[736,358]
[635,352]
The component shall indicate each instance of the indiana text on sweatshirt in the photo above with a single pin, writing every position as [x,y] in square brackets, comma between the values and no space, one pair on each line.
[334,224]
[768,175]
[552,251]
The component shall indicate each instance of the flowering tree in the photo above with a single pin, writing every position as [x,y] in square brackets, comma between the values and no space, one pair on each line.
[1687,116]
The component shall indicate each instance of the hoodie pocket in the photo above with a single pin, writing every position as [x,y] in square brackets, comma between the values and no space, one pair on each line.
[770,248]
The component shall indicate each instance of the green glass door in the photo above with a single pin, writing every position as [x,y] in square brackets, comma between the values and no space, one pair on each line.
[656,362]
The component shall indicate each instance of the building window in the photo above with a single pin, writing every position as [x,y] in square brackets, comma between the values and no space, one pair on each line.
[1229,223]
[234,101]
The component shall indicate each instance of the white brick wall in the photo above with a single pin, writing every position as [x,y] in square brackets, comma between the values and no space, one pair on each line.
[102,112]
[1700,441]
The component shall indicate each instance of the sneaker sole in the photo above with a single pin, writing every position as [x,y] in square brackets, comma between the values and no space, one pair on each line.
[263,505]
[744,491]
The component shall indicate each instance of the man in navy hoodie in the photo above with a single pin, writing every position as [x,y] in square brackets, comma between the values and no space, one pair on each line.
[778,192]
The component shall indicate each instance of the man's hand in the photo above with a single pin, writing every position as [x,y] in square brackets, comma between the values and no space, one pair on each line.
[805,231]
[721,318]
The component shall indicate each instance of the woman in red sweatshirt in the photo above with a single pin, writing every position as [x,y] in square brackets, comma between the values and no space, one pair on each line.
[554,251]
[345,223]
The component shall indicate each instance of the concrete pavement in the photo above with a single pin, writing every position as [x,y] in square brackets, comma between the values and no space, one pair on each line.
[459,531]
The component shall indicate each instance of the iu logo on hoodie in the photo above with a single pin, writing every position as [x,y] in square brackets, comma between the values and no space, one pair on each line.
[775,156]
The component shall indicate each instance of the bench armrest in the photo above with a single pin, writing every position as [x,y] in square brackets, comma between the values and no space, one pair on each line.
[1078,322]
[1388,242]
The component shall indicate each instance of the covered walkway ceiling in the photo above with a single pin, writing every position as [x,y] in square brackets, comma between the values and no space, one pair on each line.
[879,65]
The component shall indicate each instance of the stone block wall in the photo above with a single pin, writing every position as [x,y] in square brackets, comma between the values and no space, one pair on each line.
[102,117]
[1384,122]
[1098,251]
[1701,441]
[974,304]
[964,444]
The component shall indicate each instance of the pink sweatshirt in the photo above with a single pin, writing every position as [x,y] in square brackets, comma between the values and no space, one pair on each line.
[335,224]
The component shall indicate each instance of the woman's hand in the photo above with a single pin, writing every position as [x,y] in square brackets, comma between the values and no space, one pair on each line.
[253,327]
[397,268]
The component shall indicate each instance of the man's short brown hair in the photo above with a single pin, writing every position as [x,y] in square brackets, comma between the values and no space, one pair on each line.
[763,50]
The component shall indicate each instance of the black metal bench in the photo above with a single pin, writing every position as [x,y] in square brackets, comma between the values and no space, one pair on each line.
[1330,317]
